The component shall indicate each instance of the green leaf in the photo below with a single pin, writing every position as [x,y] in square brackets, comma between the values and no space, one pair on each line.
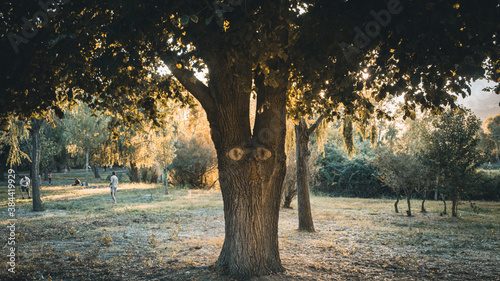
[194,18]
[208,20]
[218,13]
[184,20]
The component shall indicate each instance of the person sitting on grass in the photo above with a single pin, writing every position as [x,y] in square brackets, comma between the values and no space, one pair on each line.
[113,185]
[25,186]
[77,182]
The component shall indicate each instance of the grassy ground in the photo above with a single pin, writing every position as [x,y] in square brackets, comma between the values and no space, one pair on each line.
[152,236]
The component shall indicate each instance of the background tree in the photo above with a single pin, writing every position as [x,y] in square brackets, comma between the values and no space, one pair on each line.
[402,171]
[452,149]
[303,132]
[50,146]
[85,132]
[492,129]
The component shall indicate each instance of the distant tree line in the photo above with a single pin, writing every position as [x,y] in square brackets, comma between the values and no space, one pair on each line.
[445,157]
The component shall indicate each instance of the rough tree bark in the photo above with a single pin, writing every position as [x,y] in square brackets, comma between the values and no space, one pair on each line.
[251,187]
[302,135]
[36,124]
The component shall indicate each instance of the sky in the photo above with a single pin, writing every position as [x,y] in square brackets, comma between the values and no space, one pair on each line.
[483,104]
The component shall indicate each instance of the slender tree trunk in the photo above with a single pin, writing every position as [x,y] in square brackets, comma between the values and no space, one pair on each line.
[303,197]
[97,174]
[86,183]
[166,180]
[36,124]
[396,203]
[444,203]
[408,201]
[423,210]
[290,193]
[454,205]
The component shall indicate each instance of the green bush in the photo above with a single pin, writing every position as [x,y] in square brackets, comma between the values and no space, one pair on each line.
[486,185]
[195,162]
[342,176]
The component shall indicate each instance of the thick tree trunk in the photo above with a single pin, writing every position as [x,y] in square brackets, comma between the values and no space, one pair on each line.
[302,149]
[423,210]
[251,189]
[251,211]
[36,124]
[134,173]
[251,168]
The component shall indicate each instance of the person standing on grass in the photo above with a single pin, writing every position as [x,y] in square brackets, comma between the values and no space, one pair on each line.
[113,185]
[25,186]
[50,178]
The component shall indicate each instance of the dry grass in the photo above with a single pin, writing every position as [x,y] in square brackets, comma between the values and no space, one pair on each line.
[152,236]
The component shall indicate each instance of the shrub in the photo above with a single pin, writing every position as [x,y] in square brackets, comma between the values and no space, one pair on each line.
[341,176]
[486,185]
[195,162]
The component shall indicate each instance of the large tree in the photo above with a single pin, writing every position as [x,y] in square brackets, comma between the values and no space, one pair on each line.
[262,49]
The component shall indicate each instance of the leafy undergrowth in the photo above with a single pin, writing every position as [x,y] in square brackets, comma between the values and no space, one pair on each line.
[152,236]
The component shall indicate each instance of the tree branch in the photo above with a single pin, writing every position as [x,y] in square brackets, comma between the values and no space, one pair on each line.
[186,77]
[315,125]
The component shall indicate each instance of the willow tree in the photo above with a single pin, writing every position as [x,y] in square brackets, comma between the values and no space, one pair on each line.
[264,48]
